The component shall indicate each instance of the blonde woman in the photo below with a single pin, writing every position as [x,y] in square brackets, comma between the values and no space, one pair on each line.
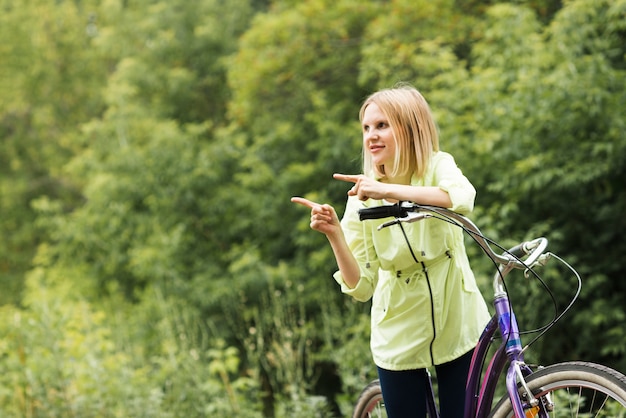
[426,308]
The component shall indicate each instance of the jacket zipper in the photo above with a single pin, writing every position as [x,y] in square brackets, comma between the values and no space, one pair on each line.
[432,313]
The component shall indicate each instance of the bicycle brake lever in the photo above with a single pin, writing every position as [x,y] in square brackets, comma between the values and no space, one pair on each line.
[410,217]
[541,261]
[388,223]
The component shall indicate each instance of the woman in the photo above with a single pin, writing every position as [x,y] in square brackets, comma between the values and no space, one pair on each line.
[426,307]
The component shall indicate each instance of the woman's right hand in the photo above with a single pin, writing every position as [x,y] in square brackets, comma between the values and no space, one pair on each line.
[323,217]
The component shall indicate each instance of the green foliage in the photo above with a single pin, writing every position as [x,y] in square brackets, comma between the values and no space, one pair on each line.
[44,95]
[172,55]
[64,358]
[561,145]
[152,262]
[60,361]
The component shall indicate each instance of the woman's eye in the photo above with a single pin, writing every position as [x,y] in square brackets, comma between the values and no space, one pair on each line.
[379,125]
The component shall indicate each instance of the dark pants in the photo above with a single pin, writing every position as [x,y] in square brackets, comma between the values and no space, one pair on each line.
[405,391]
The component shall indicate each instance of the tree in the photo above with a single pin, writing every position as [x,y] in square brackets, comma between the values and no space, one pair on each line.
[50,73]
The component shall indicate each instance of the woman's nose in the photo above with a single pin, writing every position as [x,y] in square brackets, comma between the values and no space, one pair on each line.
[370,135]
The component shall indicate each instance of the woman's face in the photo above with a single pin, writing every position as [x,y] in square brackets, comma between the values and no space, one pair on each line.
[378,137]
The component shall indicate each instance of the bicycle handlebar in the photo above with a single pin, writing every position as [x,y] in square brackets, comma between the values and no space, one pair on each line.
[384,211]
[410,212]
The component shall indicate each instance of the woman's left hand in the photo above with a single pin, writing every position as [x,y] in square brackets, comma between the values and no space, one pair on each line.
[364,187]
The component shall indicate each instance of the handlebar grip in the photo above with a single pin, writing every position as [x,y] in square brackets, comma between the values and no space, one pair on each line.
[526,247]
[385,211]
[519,250]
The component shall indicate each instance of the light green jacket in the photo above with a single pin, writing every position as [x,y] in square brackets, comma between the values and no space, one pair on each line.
[419,317]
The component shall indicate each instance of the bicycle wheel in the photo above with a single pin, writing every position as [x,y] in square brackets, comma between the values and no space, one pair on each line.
[573,389]
[370,402]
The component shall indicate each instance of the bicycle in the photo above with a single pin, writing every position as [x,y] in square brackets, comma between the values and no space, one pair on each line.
[569,389]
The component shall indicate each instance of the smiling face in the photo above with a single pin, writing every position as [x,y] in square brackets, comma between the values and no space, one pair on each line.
[378,137]
[399,134]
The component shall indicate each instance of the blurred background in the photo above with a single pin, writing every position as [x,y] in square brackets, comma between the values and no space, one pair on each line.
[151,263]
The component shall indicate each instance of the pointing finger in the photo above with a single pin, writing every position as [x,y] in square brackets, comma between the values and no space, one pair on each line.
[305,202]
[347,177]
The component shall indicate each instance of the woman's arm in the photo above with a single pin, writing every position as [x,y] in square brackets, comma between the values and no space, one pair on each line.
[423,195]
[368,188]
[346,262]
[448,187]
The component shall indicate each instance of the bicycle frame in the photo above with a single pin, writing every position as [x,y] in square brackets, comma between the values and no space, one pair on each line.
[478,402]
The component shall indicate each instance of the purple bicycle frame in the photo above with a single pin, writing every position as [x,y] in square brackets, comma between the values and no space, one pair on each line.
[478,402]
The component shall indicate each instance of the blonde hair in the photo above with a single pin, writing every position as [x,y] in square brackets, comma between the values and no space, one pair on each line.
[414,131]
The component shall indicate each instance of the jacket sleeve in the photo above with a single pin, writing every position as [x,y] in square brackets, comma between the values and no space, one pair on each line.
[448,177]
[359,240]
